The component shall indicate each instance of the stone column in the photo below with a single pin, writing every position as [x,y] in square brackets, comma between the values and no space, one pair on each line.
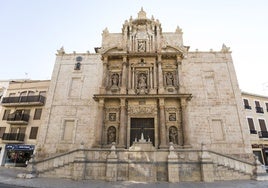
[179,77]
[162,129]
[99,124]
[123,127]
[185,125]
[104,76]
[151,78]
[160,76]
[124,76]
[129,76]
[155,78]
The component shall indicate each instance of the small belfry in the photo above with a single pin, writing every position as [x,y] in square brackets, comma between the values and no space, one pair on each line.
[144,94]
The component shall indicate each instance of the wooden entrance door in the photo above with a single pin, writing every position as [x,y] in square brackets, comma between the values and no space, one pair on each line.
[142,125]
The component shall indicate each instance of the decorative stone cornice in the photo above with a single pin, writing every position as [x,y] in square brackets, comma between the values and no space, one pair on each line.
[148,96]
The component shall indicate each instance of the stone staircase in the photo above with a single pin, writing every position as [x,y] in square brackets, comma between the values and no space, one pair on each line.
[229,168]
[77,164]
[57,166]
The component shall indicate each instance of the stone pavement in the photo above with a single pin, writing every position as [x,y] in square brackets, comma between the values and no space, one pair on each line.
[9,176]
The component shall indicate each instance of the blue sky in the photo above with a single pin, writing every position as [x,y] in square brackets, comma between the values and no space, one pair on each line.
[31,31]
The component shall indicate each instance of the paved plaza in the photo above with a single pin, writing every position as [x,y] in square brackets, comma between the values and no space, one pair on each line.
[9,176]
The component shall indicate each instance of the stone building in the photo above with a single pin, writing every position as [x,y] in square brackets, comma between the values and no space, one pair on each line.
[145,108]
[21,116]
[256,109]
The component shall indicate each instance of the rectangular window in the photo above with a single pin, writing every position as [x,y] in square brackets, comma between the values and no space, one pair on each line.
[259,109]
[262,125]
[68,130]
[33,133]
[37,113]
[266,104]
[251,126]
[2,131]
[6,113]
[246,104]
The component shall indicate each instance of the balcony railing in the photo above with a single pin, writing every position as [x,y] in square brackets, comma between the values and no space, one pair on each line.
[13,137]
[252,131]
[18,118]
[259,110]
[263,134]
[247,107]
[24,100]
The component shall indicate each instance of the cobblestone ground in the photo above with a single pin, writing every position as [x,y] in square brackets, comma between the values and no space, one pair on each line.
[8,176]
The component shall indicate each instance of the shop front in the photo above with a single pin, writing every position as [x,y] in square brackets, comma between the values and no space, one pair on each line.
[18,155]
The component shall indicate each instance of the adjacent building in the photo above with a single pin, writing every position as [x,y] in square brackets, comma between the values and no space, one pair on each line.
[144,108]
[256,109]
[21,113]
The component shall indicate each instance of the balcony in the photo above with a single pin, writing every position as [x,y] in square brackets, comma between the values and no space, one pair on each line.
[18,119]
[13,137]
[34,100]
[259,110]
[263,134]
[252,131]
[247,107]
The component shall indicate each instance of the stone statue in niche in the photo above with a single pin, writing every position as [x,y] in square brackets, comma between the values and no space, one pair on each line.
[114,82]
[142,81]
[142,84]
[115,79]
[169,79]
[173,135]
[111,135]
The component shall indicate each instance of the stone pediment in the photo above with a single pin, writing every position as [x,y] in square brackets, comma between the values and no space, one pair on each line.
[113,50]
[173,49]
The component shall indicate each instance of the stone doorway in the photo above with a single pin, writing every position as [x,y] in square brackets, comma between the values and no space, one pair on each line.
[142,125]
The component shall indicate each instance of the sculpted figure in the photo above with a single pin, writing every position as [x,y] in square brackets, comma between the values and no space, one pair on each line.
[169,79]
[142,81]
[173,135]
[111,135]
[115,79]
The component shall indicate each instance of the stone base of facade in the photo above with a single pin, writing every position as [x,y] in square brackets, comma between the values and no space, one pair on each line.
[150,165]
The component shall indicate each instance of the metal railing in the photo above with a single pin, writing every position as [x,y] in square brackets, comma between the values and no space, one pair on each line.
[13,136]
[18,117]
[24,99]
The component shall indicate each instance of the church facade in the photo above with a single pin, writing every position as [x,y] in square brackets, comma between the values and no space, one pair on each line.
[144,107]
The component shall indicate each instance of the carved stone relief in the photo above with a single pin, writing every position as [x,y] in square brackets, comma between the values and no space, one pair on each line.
[141,110]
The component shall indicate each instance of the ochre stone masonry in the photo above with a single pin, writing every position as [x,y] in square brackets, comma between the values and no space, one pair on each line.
[143,108]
